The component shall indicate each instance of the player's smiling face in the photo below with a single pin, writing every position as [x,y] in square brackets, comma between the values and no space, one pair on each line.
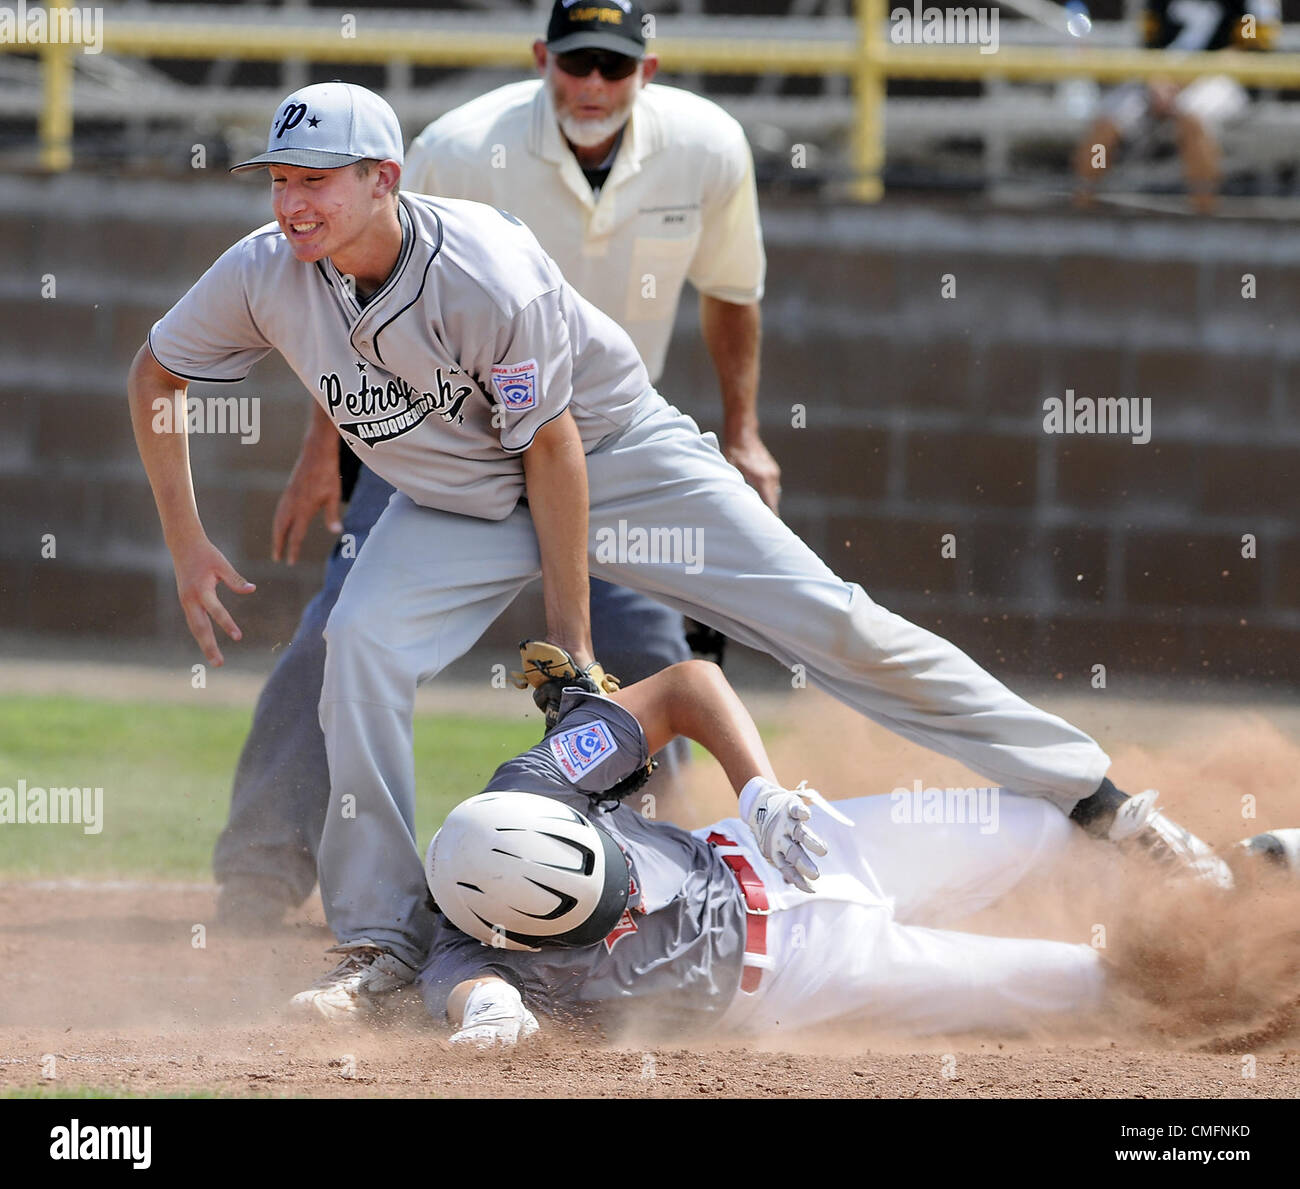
[320,211]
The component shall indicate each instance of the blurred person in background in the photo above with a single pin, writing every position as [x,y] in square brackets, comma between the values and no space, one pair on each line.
[1201,111]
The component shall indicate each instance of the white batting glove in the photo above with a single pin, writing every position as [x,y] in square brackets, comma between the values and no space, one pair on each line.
[494,1015]
[776,817]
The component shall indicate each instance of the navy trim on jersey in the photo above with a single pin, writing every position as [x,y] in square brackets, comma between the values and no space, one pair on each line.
[186,376]
[544,424]
[324,272]
[403,259]
[343,291]
[424,280]
[403,256]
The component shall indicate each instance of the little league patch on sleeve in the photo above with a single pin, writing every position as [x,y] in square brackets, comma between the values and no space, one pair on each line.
[579,749]
[516,384]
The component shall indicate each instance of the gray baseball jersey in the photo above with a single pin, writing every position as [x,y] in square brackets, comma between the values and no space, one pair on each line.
[445,375]
[674,960]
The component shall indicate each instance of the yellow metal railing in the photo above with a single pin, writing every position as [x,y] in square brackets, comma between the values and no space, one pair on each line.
[869,61]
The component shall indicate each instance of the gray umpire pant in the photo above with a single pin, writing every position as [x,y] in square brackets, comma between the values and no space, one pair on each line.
[428,583]
[281,786]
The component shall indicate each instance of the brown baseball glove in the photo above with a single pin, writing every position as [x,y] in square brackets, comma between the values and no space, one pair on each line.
[549,670]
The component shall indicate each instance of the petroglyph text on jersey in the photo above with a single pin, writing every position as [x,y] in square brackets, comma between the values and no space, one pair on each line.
[397,407]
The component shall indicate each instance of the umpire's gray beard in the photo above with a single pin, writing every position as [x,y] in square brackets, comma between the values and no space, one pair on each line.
[586,133]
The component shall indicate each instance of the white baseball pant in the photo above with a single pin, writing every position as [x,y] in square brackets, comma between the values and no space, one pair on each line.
[863,947]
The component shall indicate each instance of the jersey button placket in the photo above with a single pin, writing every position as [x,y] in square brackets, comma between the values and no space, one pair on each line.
[363,339]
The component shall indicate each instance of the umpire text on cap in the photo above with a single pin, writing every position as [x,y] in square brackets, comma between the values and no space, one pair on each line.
[329,125]
[614,25]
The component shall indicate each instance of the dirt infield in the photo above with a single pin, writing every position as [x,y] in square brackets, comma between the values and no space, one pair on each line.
[132,987]
[103,987]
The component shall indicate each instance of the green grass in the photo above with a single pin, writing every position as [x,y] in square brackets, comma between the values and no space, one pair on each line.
[166,771]
[44,1090]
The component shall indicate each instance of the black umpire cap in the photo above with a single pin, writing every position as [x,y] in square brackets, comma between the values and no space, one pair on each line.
[614,25]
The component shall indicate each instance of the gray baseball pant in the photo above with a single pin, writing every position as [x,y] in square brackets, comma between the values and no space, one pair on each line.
[281,786]
[428,583]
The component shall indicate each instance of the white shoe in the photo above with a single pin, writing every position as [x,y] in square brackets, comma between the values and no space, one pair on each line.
[367,973]
[1139,823]
[1279,848]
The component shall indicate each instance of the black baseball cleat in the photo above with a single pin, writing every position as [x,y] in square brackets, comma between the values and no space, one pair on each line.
[1279,849]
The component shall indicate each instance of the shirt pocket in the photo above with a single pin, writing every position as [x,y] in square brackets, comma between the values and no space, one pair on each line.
[659,266]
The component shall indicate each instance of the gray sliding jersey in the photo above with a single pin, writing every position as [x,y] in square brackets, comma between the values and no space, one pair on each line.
[674,961]
[445,375]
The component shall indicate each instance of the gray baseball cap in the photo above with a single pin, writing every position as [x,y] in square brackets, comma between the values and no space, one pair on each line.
[329,125]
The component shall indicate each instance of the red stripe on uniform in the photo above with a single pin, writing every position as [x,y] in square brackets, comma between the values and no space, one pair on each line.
[755,897]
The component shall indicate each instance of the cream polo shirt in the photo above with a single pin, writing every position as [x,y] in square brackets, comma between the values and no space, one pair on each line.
[679,203]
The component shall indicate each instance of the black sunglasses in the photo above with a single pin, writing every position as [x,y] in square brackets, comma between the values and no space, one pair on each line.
[581,63]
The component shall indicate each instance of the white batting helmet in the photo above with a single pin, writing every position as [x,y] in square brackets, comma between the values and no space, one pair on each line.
[519,871]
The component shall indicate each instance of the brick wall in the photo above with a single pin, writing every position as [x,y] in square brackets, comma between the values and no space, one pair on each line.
[921,416]
[924,417]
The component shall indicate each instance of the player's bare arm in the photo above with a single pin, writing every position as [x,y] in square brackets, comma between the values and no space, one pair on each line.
[732,333]
[555,476]
[199,564]
[695,700]
[314,486]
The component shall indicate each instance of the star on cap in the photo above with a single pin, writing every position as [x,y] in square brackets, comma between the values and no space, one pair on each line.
[313,121]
